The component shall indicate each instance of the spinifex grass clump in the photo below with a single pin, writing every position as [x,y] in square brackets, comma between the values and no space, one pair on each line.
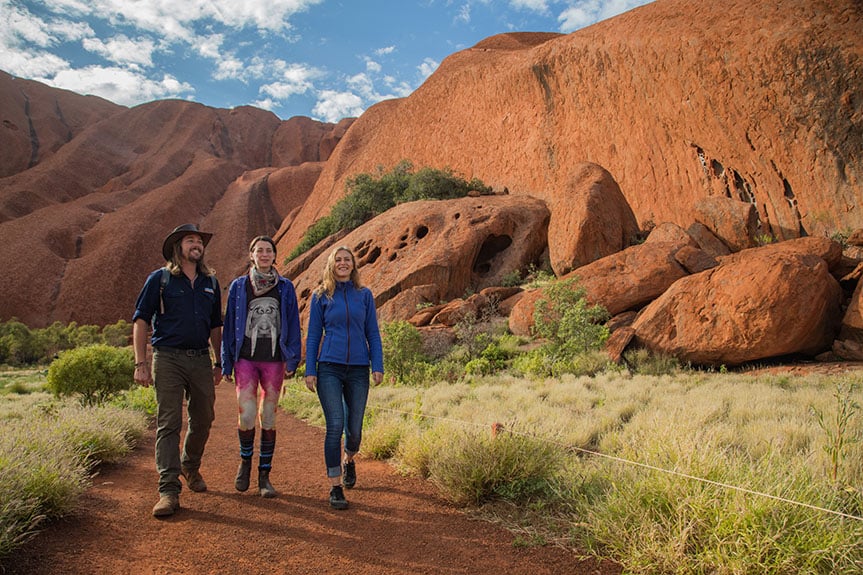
[47,454]
[472,467]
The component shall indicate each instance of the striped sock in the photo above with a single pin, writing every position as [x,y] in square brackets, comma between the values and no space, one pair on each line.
[247,442]
[268,446]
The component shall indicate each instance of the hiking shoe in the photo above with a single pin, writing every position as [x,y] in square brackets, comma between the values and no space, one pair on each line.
[337,498]
[168,503]
[349,476]
[264,485]
[194,480]
[243,475]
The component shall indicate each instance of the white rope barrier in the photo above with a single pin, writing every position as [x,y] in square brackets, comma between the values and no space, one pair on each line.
[636,464]
[496,426]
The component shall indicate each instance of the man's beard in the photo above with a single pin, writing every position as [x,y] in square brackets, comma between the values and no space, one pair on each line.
[195,255]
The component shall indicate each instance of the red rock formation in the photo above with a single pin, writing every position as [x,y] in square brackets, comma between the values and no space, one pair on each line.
[677,99]
[590,220]
[435,251]
[85,224]
[38,120]
[767,302]
[626,280]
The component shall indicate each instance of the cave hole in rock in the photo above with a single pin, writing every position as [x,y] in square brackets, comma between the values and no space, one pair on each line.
[374,254]
[491,247]
[422,231]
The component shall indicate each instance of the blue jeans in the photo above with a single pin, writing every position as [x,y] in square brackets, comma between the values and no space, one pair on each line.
[338,386]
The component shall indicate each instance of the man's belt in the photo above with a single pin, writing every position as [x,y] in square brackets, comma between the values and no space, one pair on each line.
[178,351]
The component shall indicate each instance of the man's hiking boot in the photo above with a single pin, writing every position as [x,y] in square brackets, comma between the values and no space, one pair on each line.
[349,476]
[266,488]
[337,498]
[167,505]
[244,473]
[194,480]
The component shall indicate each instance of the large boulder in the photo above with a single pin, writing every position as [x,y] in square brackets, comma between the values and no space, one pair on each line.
[626,280]
[445,249]
[732,221]
[767,303]
[590,219]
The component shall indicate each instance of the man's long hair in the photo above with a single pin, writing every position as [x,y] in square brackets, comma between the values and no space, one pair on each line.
[176,269]
[328,282]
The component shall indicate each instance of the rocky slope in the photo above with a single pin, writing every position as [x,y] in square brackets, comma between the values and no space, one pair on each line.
[647,119]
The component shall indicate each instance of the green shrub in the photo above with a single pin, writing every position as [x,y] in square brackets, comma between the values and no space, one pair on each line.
[18,346]
[403,346]
[118,334]
[137,398]
[95,373]
[567,321]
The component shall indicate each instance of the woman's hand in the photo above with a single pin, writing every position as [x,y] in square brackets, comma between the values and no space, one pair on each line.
[377,377]
[312,382]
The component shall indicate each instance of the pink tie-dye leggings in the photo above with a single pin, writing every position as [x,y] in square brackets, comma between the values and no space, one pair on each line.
[248,375]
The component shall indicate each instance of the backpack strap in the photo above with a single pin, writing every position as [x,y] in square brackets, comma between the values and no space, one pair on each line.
[162,283]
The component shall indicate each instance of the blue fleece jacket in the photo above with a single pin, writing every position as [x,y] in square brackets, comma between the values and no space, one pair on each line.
[344,329]
[235,324]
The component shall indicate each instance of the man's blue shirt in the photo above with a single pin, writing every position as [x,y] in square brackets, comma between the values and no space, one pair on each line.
[190,313]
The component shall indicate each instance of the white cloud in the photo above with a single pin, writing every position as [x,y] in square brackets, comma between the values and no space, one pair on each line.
[210,45]
[427,68]
[122,50]
[229,68]
[463,14]
[175,18]
[293,79]
[372,66]
[119,85]
[22,27]
[385,51]
[587,12]
[265,104]
[540,6]
[332,106]
[36,65]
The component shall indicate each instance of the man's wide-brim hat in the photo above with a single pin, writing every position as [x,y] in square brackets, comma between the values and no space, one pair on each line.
[178,234]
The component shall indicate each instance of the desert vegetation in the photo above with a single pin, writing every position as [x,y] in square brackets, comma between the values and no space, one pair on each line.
[50,446]
[661,467]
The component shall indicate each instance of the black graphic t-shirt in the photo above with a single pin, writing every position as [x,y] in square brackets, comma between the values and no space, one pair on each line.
[261,341]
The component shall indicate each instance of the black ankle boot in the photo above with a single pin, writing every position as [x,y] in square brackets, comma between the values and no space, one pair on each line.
[264,484]
[243,475]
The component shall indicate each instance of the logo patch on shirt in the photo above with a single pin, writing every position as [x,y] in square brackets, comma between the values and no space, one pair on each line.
[209,290]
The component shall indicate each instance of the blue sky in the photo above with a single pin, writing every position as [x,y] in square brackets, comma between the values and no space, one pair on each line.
[325,59]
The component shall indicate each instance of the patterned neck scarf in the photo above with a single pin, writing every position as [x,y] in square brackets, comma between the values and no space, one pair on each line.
[262,282]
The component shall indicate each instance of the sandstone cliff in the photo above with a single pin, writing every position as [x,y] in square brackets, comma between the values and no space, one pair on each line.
[678,100]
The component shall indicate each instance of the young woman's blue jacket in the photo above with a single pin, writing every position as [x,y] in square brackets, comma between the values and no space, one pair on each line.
[344,329]
[234,328]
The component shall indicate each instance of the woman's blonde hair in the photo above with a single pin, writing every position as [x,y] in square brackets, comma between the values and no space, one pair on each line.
[328,282]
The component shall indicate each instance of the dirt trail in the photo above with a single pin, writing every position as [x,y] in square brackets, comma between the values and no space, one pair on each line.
[395,525]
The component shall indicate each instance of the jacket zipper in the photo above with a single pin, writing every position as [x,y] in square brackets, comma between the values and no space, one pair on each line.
[348,323]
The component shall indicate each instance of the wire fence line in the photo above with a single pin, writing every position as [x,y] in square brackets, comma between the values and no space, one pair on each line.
[630,462]
[495,426]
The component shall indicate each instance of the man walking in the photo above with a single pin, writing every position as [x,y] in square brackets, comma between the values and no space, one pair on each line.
[184,304]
